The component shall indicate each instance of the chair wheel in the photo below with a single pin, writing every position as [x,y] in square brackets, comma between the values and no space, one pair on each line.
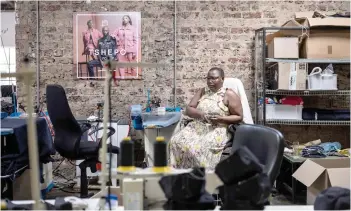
[88,196]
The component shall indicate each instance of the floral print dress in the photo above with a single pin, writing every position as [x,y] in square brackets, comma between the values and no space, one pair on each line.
[201,143]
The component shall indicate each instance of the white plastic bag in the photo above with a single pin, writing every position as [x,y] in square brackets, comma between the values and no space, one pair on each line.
[329,70]
[322,80]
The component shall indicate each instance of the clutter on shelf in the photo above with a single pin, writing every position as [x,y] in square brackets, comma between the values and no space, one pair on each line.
[325,114]
[293,76]
[288,76]
[311,42]
[317,149]
[289,108]
[320,79]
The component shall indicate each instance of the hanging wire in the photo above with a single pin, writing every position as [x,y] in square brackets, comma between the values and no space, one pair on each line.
[7,60]
[3,47]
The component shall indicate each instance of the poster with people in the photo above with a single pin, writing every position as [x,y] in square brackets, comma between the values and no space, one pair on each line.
[101,36]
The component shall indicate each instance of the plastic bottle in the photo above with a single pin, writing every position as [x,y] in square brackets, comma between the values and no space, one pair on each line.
[135,113]
[113,200]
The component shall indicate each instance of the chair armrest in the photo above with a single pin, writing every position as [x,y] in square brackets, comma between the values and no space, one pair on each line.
[232,129]
[110,133]
[85,126]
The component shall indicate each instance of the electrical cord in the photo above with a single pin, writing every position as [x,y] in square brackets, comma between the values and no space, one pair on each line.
[58,165]
[3,47]
[62,188]
[72,163]
[57,174]
[48,121]
[60,175]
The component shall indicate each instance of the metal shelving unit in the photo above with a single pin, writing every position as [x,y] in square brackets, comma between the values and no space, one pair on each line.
[320,61]
[305,122]
[307,92]
[261,65]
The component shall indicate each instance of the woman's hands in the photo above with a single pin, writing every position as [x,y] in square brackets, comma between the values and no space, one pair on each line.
[215,119]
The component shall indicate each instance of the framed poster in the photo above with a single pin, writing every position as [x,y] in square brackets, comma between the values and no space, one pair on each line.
[107,35]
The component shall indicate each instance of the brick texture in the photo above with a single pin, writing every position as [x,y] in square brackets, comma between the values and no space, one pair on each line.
[209,33]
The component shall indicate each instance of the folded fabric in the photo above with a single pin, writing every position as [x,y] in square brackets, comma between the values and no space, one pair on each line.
[345,152]
[330,146]
[313,152]
[336,154]
[292,100]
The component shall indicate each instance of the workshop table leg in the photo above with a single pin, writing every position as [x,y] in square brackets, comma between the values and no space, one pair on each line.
[79,70]
[293,184]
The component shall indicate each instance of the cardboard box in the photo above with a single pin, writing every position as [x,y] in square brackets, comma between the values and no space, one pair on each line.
[284,48]
[326,45]
[319,174]
[320,38]
[290,76]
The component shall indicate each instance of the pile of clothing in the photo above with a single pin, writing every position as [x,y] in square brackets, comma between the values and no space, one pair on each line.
[324,150]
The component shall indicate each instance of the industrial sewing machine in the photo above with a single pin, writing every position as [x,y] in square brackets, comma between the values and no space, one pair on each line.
[141,189]
[246,188]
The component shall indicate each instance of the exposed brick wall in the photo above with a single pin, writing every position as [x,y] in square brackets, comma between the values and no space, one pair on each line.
[208,34]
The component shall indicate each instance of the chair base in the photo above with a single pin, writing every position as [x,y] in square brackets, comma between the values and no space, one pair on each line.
[89,195]
[91,163]
[84,177]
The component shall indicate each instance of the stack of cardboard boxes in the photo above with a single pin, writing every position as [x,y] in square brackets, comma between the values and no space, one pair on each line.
[319,38]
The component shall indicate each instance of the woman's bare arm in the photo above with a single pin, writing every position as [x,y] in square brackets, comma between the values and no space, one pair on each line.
[235,108]
[191,109]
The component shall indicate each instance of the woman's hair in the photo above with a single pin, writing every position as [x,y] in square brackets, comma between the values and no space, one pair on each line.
[89,21]
[220,70]
[130,20]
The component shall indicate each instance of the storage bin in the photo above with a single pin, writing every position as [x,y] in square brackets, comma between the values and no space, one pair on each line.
[283,112]
[319,81]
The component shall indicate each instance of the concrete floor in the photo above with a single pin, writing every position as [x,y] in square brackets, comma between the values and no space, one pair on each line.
[67,170]
[277,199]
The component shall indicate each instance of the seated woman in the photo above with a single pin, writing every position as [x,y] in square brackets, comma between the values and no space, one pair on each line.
[202,141]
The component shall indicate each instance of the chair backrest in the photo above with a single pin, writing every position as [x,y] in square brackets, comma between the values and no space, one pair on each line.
[267,144]
[67,130]
[237,86]
[8,90]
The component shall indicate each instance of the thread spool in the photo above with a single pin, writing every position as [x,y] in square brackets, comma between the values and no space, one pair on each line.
[3,205]
[127,155]
[160,155]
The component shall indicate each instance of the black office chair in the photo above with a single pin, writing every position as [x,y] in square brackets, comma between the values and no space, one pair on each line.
[267,144]
[68,135]
[8,91]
